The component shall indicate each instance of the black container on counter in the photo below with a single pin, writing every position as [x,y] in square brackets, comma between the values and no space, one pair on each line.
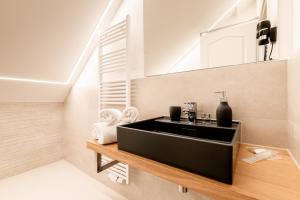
[175,113]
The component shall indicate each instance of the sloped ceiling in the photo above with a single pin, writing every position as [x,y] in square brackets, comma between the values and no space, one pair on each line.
[42,39]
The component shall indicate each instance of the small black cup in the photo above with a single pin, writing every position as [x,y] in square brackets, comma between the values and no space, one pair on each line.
[175,113]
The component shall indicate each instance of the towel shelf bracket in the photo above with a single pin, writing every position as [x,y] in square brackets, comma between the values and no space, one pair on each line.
[101,167]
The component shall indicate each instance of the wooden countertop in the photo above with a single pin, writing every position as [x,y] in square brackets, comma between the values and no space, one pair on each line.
[265,180]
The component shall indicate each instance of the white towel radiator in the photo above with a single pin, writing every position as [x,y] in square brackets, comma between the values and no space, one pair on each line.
[114,85]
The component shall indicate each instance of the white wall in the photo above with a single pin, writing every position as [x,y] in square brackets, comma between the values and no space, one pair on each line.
[293,84]
[285,15]
[296,25]
[133,8]
[293,105]
[285,31]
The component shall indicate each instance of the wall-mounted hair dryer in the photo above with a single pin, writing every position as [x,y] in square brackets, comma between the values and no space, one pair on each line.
[265,35]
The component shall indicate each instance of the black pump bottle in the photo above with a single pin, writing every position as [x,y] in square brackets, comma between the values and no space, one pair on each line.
[224,112]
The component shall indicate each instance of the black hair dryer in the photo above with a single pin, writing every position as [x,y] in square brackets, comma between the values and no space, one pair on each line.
[266,35]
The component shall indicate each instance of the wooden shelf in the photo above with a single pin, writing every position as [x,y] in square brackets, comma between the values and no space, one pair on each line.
[265,180]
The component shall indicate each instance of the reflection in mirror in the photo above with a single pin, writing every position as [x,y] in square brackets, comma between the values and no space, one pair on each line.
[185,35]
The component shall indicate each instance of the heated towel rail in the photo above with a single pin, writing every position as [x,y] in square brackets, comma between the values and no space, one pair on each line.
[114,84]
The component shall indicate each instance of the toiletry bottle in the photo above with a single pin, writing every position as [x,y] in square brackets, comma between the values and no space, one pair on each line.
[224,112]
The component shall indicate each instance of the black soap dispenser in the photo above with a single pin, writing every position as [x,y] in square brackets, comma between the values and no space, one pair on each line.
[224,112]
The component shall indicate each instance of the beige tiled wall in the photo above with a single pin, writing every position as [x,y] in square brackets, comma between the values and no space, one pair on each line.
[30,136]
[294,105]
[257,94]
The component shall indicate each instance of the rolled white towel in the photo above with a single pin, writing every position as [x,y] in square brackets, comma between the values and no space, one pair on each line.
[110,116]
[104,133]
[130,115]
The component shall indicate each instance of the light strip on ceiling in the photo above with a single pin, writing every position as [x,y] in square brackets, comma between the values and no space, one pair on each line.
[224,15]
[32,81]
[100,21]
[94,34]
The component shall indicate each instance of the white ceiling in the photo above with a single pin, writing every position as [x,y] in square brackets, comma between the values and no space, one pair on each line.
[43,39]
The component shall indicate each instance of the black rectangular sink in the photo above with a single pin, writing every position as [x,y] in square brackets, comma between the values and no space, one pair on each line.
[202,147]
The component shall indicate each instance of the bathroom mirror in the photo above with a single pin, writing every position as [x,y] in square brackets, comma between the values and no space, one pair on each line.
[186,35]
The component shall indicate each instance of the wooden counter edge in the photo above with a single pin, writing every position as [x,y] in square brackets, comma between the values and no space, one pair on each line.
[192,181]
